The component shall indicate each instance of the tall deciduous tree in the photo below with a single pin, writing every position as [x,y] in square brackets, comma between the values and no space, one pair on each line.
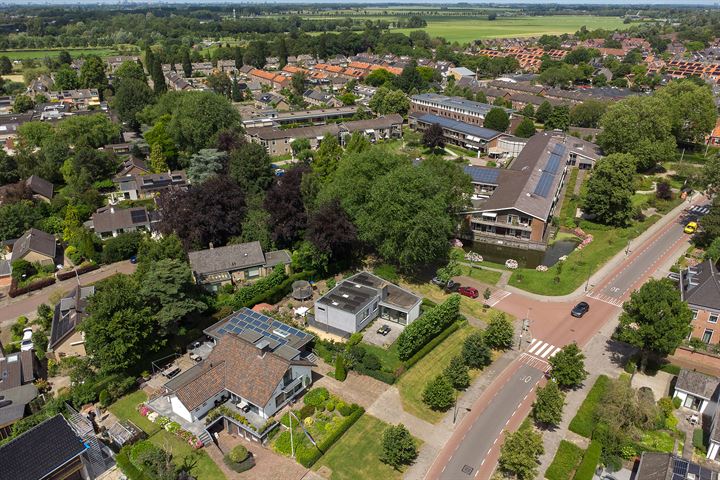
[386,101]
[327,157]
[284,203]
[520,453]
[92,74]
[439,393]
[568,366]
[131,96]
[433,136]
[66,79]
[655,319]
[610,189]
[249,166]
[548,407]
[331,231]
[692,108]
[129,70]
[200,216]
[543,112]
[5,65]
[158,162]
[641,126]
[457,373]
[497,119]
[398,446]
[526,128]
[476,352]
[559,119]
[499,333]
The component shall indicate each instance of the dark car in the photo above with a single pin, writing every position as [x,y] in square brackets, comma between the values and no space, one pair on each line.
[133,259]
[383,330]
[469,292]
[452,286]
[580,309]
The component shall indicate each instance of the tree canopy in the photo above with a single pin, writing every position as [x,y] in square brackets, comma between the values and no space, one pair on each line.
[610,189]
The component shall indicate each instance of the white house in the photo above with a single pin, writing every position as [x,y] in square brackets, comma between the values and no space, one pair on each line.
[695,390]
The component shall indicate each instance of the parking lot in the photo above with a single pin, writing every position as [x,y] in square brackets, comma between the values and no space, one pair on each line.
[372,337]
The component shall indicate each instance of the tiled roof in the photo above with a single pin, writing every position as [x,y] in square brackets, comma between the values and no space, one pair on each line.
[34,240]
[230,257]
[700,286]
[697,383]
[40,451]
[40,186]
[107,219]
[69,312]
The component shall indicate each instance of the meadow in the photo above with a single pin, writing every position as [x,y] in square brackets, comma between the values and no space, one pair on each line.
[45,53]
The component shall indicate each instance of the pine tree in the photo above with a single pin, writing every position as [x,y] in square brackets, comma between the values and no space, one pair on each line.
[186,65]
[236,93]
[476,352]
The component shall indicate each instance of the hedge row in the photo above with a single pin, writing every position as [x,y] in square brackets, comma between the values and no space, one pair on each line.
[431,345]
[383,376]
[699,440]
[586,470]
[307,458]
[566,459]
[45,282]
[428,326]
[87,268]
[244,296]
[277,293]
[584,421]
[122,459]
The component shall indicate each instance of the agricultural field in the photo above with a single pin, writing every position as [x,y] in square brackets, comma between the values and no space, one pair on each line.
[74,52]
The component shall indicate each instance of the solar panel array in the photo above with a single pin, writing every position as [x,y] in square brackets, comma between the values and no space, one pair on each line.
[247,319]
[138,216]
[483,175]
[543,187]
[549,170]
[681,468]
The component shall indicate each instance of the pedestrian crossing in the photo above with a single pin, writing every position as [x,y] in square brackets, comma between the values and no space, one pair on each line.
[535,362]
[496,297]
[606,298]
[700,209]
[541,349]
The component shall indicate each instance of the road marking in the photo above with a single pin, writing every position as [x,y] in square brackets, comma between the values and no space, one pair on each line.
[554,353]
[497,296]
[545,352]
[534,347]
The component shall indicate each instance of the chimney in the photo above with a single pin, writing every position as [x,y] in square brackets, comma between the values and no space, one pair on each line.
[211,245]
[263,347]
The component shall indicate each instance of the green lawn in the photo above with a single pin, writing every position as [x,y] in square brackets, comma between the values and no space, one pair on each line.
[659,441]
[388,356]
[583,423]
[484,275]
[566,460]
[356,454]
[412,383]
[202,466]
[580,263]
[74,52]
[126,409]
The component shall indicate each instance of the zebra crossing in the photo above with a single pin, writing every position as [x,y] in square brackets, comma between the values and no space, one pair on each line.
[700,209]
[496,297]
[606,298]
[541,349]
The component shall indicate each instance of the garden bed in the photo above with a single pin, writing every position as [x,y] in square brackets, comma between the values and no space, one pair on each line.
[566,460]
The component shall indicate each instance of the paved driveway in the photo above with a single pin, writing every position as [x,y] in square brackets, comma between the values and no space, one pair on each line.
[373,338]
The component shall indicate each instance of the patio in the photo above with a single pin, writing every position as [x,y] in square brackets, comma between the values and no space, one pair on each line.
[162,406]
[371,336]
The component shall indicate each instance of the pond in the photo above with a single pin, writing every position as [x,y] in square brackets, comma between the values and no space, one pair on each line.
[525,258]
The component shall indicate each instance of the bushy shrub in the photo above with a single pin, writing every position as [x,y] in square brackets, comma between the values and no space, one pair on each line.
[306,411]
[428,326]
[330,405]
[699,440]
[316,396]
[340,372]
[371,361]
[121,247]
[630,367]
[676,402]
[105,398]
[344,409]
[238,453]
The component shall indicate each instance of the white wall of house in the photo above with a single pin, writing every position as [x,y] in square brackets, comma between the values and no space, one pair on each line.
[713,450]
[206,406]
[179,409]
[345,321]
[683,396]
[298,371]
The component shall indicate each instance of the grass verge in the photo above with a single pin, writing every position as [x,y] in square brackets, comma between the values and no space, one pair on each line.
[126,409]
[202,467]
[584,421]
[353,456]
[491,277]
[566,460]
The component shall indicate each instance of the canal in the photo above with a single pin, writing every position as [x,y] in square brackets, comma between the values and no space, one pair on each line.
[525,258]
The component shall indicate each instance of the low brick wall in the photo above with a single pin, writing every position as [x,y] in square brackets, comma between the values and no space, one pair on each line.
[696,360]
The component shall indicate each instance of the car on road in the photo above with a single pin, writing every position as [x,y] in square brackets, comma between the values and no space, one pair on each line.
[469,292]
[452,286]
[691,227]
[26,343]
[580,309]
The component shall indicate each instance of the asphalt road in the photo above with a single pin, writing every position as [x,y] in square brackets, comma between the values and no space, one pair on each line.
[475,443]
[468,456]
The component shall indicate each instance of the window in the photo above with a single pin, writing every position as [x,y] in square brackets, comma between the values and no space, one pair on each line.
[713,318]
[375,307]
[694,312]
[288,378]
[707,336]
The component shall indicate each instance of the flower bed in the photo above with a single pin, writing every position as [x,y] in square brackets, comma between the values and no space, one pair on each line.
[170,426]
[222,410]
[511,264]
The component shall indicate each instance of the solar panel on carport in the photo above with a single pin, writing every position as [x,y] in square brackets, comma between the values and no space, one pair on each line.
[543,187]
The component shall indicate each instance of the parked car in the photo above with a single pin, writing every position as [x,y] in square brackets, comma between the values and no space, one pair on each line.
[452,286]
[691,227]
[133,259]
[469,292]
[438,282]
[384,330]
[580,309]
[26,343]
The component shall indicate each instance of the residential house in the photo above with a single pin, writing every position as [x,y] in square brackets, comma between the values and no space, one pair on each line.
[36,246]
[80,99]
[271,100]
[132,166]
[133,187]
[5,273]
[696,390]
[320,98]
[513,86]
[6,104]
[40,188]
[235,264]
[51,450]
[65,339]
[454,108]
[514,206]
[700,289]
[18,371]
[356,301]
[9,125]
[315,117]
[257,366]
[461,72]
[177,82]
[667,466]
[278,141]
[109,221]
[116,61]
[714,137]
[227,66]
[458,133]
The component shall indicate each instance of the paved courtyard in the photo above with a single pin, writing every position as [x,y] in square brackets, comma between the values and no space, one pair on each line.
[372,337]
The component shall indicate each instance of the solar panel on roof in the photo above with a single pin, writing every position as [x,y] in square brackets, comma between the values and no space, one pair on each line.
[138,216]
[552,164]
[559,149]
[543,187]
[680,467]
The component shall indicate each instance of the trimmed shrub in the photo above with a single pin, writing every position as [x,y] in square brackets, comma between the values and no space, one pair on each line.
[340,372]
[238,454]
[630,367]
[584,421]
[568,457]
[586,470]
[344,409]
[84,269]
[243,465]
[676,402]
[316,396]
[385,377]
[306,411]
[308,457]
[431,345]
[14,291]
[699,440]
[428,326]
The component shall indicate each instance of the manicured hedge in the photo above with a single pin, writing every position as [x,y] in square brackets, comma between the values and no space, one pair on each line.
[699,440]
[671,369]
[241,466]
[566,460]
[307,458]
[584,421]
[385,377]
[586,470]
[45,282]
[87,268]
[428,326]
[431,345]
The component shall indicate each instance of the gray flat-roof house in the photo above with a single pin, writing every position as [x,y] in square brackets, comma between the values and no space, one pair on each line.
[235,264]
[514,206]
[110,221]
[358,300]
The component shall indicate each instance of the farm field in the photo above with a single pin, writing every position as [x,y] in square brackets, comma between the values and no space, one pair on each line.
[74,52]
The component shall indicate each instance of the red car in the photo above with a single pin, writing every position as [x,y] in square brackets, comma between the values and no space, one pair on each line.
[469,292]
